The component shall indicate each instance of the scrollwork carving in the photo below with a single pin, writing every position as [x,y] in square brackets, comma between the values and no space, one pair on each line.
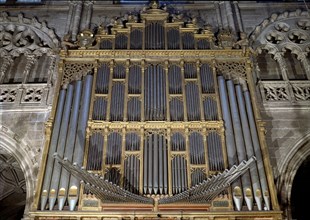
[75,71]
[275,93]
[301,92]
[233,69]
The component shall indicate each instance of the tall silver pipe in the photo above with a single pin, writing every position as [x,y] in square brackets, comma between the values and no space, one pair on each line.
[145,165]
[60,147]
[165,158]
[155,163]
[78,154]
[240,146]
[230,140]
[160,165]
[257,150]
[150,163]
[69,147]
[249,147]
[52,149]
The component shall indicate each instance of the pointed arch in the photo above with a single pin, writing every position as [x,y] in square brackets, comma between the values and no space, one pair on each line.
[22,152]
[288,169]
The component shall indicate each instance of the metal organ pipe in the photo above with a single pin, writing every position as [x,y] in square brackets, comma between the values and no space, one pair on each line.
[193,106]
[117,102]
[257,150]
[215,153]
[60,147]
[102,80]
[114,149]
[78,154]
[69,147]
[52,148]
[249,147]
[230,140]
[240,146]
[155,180]
[94,157]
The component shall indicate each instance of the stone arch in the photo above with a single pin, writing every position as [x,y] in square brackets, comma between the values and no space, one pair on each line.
[288,169]
[24,155]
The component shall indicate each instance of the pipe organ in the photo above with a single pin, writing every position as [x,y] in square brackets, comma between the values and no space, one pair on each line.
[149,121]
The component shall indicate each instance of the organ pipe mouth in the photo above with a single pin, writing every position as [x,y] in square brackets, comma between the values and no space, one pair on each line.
[62,192]
[237,191]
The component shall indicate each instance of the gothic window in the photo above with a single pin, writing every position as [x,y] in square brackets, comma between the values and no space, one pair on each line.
[268,67]
[294,68]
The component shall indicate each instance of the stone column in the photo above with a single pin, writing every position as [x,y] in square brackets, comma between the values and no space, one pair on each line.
[89,9]
[240,26]
[69,18]
[278,56]
[76,20]
[230,17]
[7,61]
[305,63]
[31,59]
[218,14]
[51,69]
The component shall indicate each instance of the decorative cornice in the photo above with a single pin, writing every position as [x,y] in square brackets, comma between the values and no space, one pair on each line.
[149,54]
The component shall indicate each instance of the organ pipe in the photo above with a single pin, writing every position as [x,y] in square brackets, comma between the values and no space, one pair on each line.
[196,146]
[136,40]
[198,176]
[230,140]
[173,37]
[114,149]
[132,142]
[249,147]
[216,162]
[240,146]
[210,109]
[176,110]
[206,78]
[69,147]
[134,80]
[102,80]
[78,154]
[177,142]
[175,80]
[52,148]
[155,165]
[121,41]
[117,102]
[179,170]
[60,147]
[155,93]
[192,104]
[257,150]
[100,108]
[188,41]
[94,157]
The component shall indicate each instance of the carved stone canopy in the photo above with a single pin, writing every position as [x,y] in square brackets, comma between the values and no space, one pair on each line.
[24,35]
[281,32]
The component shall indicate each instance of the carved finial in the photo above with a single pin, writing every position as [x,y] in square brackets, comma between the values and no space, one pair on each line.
[5,16]
[154,4]
[20,18]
